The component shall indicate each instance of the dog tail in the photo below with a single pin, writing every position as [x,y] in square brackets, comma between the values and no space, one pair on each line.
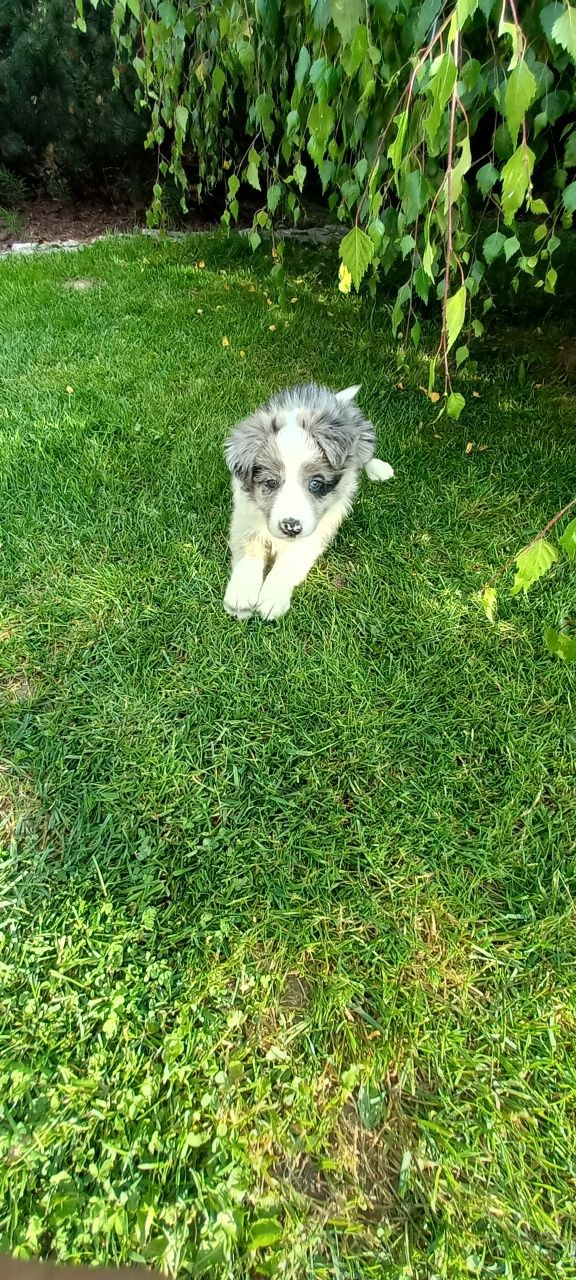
[378,470]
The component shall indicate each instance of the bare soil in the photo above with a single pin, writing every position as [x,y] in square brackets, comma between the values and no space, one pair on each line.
[43,220]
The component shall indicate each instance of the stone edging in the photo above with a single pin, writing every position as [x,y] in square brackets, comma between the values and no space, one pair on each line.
[26,248]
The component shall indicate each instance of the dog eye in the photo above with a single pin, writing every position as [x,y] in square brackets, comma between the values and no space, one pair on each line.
[318,486]
[269,483]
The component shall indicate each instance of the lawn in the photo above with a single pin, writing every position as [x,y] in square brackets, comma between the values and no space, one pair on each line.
[288,947]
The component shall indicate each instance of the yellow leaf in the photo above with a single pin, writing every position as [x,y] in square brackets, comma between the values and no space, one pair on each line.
[272,328]
[476,395]
[434,396]
[70,390]
[201,265]
[293,299]
[225,342]
[242,355]
[344,279]
[469,447]
[199,311]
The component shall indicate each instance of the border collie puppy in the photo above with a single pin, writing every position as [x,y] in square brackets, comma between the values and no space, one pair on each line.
[295,465]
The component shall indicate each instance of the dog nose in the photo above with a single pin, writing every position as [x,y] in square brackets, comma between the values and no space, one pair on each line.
[290,527]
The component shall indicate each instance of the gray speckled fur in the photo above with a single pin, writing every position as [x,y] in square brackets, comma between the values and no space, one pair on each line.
[343,435]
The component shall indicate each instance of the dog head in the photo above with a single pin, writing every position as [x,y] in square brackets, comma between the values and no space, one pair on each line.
[295,453]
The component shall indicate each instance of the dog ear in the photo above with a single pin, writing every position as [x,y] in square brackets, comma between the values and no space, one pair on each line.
[242,447]
[349,394]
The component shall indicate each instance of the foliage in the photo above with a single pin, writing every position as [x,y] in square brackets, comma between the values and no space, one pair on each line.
[287,935]
[415,120]
[533,563]
[13,193]
[13,190]
[60,121]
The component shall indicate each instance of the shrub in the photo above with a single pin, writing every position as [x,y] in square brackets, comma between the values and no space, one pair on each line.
[61,122]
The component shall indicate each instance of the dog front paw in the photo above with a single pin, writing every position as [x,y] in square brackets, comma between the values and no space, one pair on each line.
[242,590]
[273,602]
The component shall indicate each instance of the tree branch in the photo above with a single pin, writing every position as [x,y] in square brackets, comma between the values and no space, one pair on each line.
[538,538]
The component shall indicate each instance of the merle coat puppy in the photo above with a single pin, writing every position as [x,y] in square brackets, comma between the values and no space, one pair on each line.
[295,465]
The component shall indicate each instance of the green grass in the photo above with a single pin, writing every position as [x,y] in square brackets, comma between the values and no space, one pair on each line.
[264,886]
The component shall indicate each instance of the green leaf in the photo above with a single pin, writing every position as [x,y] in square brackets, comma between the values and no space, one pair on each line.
[167,13]
[320,125]
[488,601]
[292,123]
[325,170]
[486,177]
[134,7]
[493,245]
[458,172]
[439,89]
[422,284]
[346,14]
[568,540]
[428,260]
[516,176]
[570,151]
[424,17]
[263,107]
[569,198]
[263,1233]
[513,30]
[372,1104]
[414,195]
[550,281]
[300,175]
[511,246]
[538,206]
[407,243]
[464,10]
[246,54]
[181,117]
[533,563]
[302,65]
[274,197]
[353,57]
[254,239]
[549,15]
[455,404]
[252,169]
[395,148]
[233,184]
[520,94]
[462,354]
[561,645]
[564,31]
[398,309]
[218,80]
[455,310]
[356,252]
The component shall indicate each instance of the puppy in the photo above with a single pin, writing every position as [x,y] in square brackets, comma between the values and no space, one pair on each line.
[295,465]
